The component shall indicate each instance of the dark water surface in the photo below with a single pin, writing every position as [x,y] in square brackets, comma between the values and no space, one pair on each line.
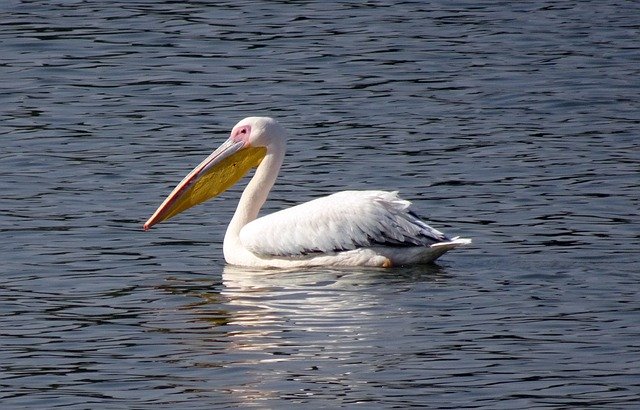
[514,123]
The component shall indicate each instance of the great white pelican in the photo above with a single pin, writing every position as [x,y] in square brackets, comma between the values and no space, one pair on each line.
[349,228]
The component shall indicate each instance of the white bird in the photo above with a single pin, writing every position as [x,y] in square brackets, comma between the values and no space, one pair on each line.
[349,228]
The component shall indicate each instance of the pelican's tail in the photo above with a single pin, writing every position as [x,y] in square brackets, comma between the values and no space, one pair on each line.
[453,243]
[433,252]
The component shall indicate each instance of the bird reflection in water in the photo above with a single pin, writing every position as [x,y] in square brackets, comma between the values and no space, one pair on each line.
[311,328]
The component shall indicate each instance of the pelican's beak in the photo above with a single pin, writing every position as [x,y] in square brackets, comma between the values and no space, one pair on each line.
[217,173]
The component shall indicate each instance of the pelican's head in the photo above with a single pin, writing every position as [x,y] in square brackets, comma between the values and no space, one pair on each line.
[259,132]
[249,142]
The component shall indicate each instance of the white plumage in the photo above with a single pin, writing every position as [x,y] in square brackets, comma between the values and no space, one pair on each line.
[356,228]
[343,221]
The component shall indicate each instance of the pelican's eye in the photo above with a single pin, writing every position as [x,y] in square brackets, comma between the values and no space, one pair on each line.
[242,133]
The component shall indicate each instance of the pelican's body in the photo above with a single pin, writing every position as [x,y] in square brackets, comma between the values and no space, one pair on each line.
[350,228]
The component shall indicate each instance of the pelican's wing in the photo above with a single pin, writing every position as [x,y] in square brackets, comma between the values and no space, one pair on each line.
[342,221]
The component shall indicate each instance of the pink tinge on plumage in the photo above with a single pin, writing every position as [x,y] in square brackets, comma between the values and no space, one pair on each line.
[241,133]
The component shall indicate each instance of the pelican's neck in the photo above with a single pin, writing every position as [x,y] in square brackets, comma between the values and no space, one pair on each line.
[253,197]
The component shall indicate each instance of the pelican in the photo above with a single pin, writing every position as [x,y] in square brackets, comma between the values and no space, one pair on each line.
[349,228]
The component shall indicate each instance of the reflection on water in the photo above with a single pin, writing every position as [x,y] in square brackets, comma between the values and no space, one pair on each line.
[299,320]
[316,328]
[345,336]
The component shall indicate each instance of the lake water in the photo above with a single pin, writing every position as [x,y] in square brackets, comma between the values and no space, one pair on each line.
[514,123]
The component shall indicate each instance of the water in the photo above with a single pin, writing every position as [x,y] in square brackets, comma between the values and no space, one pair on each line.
[514,124]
